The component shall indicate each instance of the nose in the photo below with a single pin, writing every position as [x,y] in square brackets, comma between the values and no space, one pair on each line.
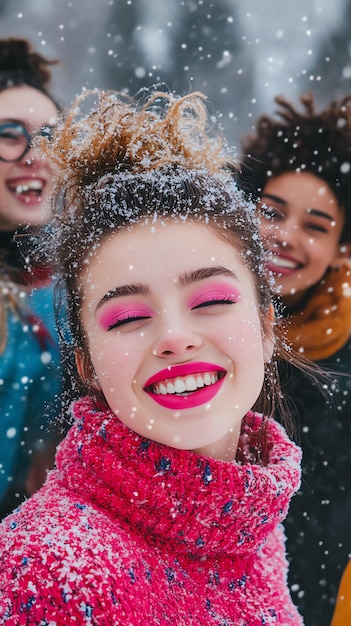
[176,338]
[33,156]
[286,234]
[30,157]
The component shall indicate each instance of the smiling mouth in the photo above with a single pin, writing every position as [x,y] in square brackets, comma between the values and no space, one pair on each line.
[282,262]
[185,385]
[192,385]
[27,187]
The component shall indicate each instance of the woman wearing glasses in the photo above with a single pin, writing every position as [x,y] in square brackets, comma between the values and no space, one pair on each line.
[29,382]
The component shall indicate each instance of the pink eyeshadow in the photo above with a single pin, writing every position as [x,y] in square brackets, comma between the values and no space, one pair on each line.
[215,291]
[112,313]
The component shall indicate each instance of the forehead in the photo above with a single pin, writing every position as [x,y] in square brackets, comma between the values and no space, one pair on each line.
[303,189]
[28,105]
[160,251]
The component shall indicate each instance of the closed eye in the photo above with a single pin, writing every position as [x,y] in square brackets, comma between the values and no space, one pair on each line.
[128,320]
[213,302]
[318,228]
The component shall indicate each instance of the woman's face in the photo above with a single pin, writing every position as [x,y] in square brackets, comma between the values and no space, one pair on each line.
[300,223]
[25,185]
[173,328]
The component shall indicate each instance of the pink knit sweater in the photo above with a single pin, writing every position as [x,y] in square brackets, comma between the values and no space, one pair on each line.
[130,532]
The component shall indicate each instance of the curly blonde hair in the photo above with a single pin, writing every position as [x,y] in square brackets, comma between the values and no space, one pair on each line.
[120,134]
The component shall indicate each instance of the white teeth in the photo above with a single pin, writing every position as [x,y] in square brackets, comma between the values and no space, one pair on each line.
[188,383]
[163,389]
[207,379]
[33,185]
[179,385]
[281,262]
[287,263]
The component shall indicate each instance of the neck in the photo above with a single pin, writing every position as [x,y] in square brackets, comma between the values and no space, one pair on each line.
[224,449]
[293,303]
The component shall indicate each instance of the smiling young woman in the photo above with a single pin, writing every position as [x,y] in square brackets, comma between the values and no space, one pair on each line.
[25,179]
[28,341]
[170,489]
[298,167]
[301,222]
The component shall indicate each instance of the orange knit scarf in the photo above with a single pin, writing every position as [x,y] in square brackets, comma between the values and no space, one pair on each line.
[323,326]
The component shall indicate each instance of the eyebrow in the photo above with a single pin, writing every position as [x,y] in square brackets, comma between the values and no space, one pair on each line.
[188,278]
[271,196]
[319,213]
[184,280]
[134,289]
[316,212]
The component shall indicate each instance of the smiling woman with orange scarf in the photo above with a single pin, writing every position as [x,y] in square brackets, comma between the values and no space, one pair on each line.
[298,167]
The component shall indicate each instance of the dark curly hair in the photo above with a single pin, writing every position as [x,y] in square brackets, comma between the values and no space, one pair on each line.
[21,65]
[309,141]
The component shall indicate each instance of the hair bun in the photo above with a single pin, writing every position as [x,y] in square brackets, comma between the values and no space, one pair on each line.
[20,64]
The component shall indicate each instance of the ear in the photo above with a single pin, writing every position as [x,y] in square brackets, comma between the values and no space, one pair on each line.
[342,255]
[269,336]
[86,372]
[84,367]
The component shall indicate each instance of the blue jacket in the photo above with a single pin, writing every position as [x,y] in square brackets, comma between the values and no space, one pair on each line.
[29,383]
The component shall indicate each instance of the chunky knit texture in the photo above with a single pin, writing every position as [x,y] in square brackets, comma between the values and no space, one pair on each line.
[127,531]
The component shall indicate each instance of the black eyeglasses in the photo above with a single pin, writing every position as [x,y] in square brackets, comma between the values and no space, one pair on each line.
[16,140]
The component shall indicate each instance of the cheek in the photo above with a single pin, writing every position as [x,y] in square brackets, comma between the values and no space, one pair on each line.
[266,229]
[316,247]
[321,254]
[251,336]
[116,369]
[6,168]
[105,357]
[243,337]
[270,230]
[115,358]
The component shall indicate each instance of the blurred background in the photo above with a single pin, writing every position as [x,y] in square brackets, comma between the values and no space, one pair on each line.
[240,53]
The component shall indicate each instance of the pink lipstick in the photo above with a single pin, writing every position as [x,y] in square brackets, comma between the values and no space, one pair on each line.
[185,386]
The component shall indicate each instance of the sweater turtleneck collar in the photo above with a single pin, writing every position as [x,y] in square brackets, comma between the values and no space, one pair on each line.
[201,505]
